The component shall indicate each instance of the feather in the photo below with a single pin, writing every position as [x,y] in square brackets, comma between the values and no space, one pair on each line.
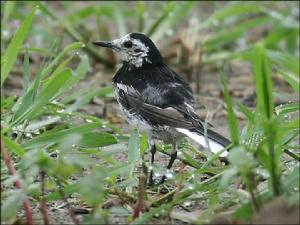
[214,146]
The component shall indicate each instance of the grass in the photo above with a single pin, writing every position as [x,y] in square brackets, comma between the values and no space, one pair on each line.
[47,139]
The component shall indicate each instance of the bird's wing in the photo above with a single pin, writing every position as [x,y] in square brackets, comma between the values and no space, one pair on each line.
[169,116]
[183,118]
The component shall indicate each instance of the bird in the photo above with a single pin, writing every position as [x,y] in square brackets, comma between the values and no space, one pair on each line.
[155,99]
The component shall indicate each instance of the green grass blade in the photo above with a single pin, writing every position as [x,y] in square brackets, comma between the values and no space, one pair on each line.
[140,11]
[225,36]
[286,61]
[51,87]
[77,75]
[8,10]
[263,82]
[13,146]
[70,48]
[80,14]
[14,46]
[265,107]
[292,79]
[88,96]
[28,98]
[144,145]
[232,120]
[51,137]
[119,18]
[168,8]
[41,51]
[133,147]
[71,31]
[233,9]
[287,108]
[96,139]
[174,15]
[247,112]
[11,205]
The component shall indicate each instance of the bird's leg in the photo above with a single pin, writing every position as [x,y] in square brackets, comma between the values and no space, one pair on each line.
[172,159]
[153,151]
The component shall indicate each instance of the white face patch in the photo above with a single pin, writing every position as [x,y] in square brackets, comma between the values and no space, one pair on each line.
[134,55]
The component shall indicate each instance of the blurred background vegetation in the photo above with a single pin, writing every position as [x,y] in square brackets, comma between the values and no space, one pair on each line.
[68,152]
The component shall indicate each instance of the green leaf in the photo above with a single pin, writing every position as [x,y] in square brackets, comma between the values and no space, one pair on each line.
[232,120]
[247,112]
[133,147]
[233,9]
[69,48]
[285,61]
[14,46]
[144,145]
[50,137]
[173,13]
[119,19]
[91,187]
[244,212]
[9,7]
[224,36]
[168,8]
[27,100]
[13,146]
[242,159]
[68,190]
[80,14]
[12,205]
[86,98]
[263,81]
[228,177]
[275,36]
[41,51]
[287,108]
[292,79]
[7,103]
[96,139]
[78,75]
[51,87]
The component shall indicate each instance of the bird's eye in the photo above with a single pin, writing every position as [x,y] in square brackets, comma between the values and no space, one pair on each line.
[128,44]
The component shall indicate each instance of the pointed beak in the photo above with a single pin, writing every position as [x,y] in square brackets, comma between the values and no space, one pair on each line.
[106,44]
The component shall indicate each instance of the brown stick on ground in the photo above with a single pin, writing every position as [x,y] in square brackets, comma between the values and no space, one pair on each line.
[140,202]
[18,183]
[43,206]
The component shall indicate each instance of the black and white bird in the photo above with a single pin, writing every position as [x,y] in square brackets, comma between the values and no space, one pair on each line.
[155,98]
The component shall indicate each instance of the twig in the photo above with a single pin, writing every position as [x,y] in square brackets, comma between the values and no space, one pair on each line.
[140,202]
[293,155]
[70,211]
[125,197]
[18,183]
[43,206]
[161,200]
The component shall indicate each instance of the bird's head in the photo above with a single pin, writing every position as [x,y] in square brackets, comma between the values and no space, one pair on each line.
[134,49]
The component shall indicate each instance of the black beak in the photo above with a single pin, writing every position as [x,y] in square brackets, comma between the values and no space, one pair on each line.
[106,44]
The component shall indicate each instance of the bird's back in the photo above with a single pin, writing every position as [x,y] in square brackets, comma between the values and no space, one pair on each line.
[158,85]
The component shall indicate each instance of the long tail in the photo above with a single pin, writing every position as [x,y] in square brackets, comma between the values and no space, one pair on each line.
[216,141]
